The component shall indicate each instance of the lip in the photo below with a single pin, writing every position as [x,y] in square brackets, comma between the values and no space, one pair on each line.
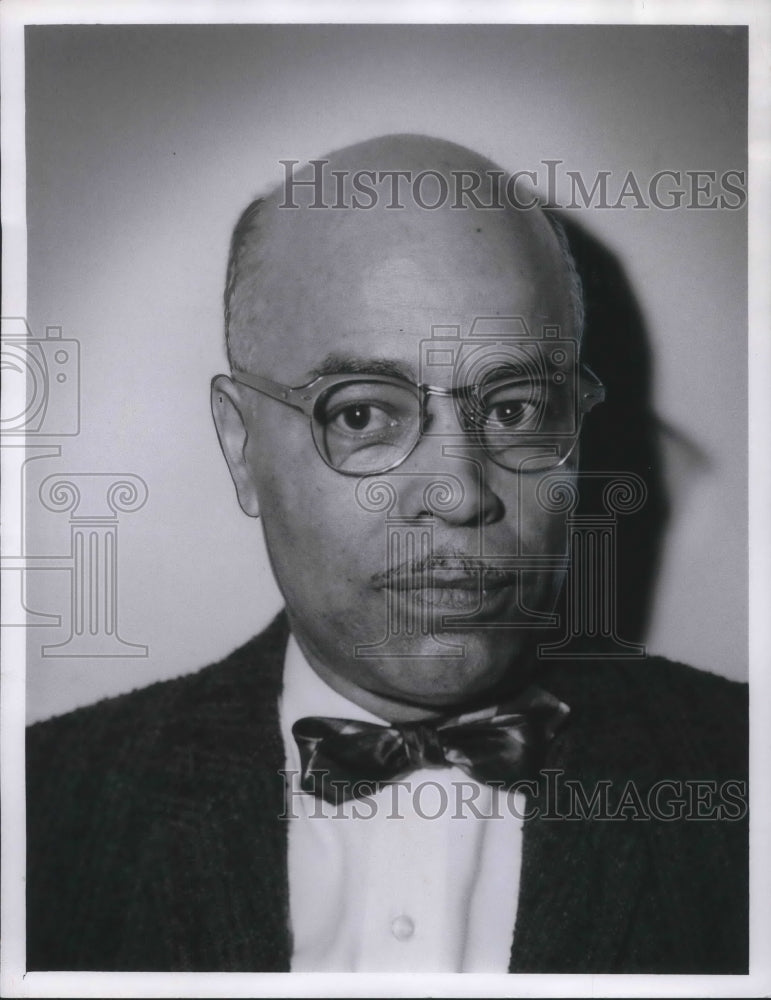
[439,579]
[481,592]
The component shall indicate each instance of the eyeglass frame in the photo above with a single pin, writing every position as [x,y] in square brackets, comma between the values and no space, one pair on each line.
[305,398]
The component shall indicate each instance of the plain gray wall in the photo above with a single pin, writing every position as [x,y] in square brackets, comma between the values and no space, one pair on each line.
[143,145]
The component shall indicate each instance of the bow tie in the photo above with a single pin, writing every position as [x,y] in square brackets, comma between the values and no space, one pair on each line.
[343,758]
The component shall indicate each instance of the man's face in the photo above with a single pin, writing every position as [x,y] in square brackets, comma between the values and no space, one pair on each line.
[366,289]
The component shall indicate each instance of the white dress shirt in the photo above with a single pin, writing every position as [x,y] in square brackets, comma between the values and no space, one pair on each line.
[422,877]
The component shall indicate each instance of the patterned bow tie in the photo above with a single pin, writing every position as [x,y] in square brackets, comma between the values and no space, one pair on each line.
[343,759]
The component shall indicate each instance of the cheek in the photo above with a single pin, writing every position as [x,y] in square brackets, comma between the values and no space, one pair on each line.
[283,462]
[314,528]
[538,530]
[544,532]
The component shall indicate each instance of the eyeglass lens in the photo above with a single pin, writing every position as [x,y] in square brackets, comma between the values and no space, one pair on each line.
[366,427]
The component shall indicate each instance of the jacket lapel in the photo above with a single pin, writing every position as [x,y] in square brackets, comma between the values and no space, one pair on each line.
[231,849]
[254,836]
[580,880]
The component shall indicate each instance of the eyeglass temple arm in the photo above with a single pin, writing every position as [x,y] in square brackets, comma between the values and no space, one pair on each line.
[592,389]
[301,399]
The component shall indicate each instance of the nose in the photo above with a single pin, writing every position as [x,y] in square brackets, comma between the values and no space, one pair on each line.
[447,474]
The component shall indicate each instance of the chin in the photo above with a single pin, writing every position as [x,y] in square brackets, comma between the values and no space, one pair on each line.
[438,681]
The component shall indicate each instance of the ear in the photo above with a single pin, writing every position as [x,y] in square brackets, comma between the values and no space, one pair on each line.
[232,433]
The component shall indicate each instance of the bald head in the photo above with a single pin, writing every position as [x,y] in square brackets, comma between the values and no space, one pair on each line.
[346,237]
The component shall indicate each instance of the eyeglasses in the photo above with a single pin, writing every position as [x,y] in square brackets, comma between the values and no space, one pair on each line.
[364,425]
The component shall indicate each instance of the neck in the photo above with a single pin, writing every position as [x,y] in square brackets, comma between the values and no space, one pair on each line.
[388,709]
[401,710]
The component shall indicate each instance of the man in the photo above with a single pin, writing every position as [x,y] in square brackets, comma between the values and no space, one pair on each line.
[403,413]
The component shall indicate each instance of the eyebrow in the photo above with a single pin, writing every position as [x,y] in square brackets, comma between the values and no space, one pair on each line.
[351,364]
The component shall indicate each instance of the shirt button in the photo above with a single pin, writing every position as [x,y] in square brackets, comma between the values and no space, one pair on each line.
[403,927]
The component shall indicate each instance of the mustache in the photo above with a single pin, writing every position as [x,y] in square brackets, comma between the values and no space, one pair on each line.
[449,564]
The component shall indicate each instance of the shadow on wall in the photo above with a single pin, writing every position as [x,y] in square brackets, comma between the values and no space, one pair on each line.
[623,435]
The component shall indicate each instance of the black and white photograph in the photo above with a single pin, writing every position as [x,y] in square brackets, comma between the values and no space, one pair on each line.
[385,447]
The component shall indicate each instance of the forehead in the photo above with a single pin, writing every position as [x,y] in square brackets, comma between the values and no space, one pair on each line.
[375,284]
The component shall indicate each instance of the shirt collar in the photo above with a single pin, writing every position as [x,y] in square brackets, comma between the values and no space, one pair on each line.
[305,693]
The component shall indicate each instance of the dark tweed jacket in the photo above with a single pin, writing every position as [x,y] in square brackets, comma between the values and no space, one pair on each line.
[153,842]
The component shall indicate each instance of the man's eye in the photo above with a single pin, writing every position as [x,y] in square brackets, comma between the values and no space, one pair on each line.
[360,418]
[356,418]
[508,414]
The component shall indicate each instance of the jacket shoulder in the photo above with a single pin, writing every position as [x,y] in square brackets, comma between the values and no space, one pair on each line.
[242,681]
[120,796]
[657,711]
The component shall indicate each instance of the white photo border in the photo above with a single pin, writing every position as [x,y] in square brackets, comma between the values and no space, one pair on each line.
[15,14]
